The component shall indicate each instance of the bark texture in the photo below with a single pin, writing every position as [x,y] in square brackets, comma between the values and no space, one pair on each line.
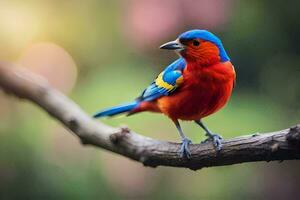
[279,145]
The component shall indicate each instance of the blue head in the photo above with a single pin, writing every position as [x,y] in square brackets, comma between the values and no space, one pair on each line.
[200,45]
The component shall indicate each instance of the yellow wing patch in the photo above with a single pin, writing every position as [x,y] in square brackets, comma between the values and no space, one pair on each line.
[161,83]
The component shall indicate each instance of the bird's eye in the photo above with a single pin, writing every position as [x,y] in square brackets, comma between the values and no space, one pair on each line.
[196,43]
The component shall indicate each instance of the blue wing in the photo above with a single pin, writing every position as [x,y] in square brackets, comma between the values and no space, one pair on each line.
[166,82]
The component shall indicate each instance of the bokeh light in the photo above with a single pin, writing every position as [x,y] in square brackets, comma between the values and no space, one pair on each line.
[52,62]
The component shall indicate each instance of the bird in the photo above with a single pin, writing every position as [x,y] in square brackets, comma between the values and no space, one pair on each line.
[196,85]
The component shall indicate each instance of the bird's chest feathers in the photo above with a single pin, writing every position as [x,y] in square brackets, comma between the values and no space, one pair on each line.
[207,79]
[204,91]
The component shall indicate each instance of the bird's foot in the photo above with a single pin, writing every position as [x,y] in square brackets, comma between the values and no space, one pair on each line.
[184,149]
[216,139]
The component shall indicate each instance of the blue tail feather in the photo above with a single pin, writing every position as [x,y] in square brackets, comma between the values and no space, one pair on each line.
[117,110]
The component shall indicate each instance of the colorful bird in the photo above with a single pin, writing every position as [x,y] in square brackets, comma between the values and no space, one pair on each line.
[194,86]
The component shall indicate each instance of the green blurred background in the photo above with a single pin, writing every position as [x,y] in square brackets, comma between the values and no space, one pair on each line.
[102,53]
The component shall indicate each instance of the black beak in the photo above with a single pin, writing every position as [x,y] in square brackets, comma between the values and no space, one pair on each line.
[173,45]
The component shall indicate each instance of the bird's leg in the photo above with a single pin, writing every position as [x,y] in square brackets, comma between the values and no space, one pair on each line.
[215,138]
[184,149]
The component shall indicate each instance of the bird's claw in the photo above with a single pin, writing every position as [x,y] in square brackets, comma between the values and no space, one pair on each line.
[184,149]
[216,139]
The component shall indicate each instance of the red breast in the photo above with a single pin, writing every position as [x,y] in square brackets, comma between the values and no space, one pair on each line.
[205,90]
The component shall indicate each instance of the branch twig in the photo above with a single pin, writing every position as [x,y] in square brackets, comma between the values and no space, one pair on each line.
[280,145]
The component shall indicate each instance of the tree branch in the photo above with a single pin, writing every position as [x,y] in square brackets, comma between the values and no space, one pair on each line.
[280,145]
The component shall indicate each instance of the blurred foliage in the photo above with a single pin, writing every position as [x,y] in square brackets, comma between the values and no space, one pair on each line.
[38,159]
